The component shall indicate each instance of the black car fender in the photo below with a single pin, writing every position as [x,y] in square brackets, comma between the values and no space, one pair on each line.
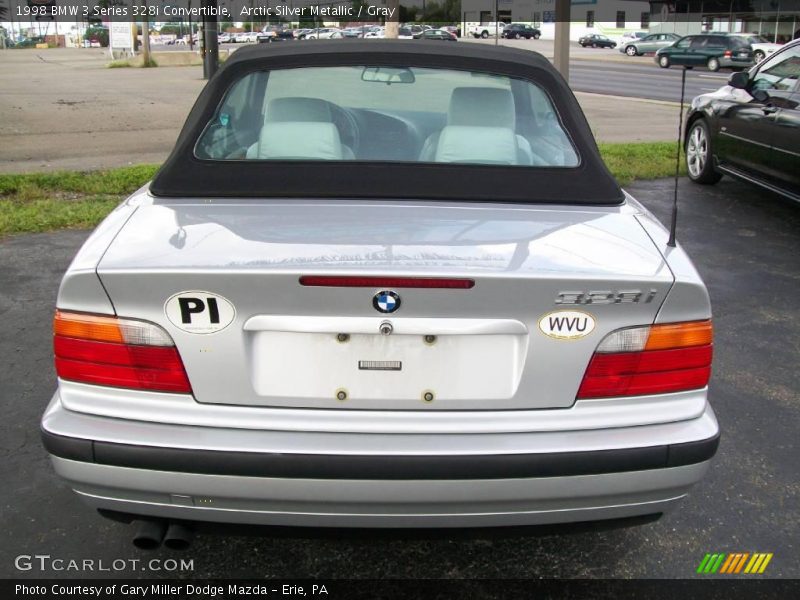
[702,108]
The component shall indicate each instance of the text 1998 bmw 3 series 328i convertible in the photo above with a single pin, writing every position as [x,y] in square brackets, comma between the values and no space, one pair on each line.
[382,285]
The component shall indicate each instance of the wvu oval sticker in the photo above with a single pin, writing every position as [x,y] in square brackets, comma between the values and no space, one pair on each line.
[199,312]
[567,324]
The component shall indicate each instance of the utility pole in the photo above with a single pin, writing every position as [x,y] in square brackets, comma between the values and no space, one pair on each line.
[146,39]
[191,31]
[561,43]
[393,27]
[496,22]
[210,42]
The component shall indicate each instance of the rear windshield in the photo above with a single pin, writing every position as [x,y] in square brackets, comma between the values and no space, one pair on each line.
[387,114]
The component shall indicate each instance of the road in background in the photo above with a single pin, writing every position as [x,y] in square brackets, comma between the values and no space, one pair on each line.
[609,71]
[642,81]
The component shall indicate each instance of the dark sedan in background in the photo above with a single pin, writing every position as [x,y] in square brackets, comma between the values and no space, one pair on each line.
[750,128]
[597,41]
[436,34]
[521,30]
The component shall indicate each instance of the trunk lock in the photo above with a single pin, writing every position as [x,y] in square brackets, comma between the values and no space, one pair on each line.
[386,328]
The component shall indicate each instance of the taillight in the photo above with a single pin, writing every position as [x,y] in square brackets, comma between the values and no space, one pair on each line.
[728,53]
[127,353]
[452,283]
[653,359]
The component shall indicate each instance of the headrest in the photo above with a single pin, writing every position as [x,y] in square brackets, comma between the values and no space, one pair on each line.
[488,107]
[299,140]
[299,109]
[482,145]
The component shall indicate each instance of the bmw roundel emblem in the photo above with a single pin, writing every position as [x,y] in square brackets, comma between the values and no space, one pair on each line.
[386,301]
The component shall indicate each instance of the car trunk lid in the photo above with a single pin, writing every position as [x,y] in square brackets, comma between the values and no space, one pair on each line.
[516,338]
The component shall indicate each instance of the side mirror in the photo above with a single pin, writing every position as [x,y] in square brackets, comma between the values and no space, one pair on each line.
[739,80]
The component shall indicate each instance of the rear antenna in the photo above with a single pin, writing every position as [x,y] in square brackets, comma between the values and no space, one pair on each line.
[678,152]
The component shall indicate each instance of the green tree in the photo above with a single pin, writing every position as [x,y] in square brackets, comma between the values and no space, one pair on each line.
[408,14]
[170,28]
[446,12]
[99,34]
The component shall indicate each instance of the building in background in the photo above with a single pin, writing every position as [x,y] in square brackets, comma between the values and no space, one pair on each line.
[776,20]
[609,17]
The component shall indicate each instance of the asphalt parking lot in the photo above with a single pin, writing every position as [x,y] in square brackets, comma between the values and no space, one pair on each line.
[745,243]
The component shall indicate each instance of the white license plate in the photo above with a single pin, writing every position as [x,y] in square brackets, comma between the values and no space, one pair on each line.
[386,367]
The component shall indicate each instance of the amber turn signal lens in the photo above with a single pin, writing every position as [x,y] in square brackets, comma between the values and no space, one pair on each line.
[680,335]
[87,327]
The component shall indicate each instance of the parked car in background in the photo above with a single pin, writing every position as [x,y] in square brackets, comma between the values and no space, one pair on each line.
[596,40]
[246,37]
[32,41]
[454,29]
[761,46]
[485,330]
[750,129]
[275,33]
[486,30]
[650,43]
[632,36]
[436,34]
[224,38]
[521,30]
[354,32]
[714,50]
[375,33]
[324,33]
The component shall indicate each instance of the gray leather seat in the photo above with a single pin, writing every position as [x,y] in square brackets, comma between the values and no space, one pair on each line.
[299,128]
[481,128]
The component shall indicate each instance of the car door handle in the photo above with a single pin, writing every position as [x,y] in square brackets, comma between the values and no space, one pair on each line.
[769,109]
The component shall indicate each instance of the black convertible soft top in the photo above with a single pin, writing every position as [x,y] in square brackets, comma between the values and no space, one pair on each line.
[184,175]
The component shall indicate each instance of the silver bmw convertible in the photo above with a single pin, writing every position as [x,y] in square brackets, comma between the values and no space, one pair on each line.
[381,284]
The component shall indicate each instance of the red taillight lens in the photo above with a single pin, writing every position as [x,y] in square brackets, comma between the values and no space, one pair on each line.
[656,359]
[117,352]
[728,53]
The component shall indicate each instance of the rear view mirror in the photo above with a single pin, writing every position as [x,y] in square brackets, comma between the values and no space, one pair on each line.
[739,80]
[388,75]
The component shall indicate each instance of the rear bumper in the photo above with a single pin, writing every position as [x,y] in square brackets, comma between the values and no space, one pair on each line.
[229,476]
[371,467]
[733,61]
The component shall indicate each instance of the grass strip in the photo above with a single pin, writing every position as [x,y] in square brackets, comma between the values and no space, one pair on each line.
[35,202]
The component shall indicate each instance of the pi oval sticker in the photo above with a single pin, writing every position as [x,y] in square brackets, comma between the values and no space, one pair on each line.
[199,312]
[567,324]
